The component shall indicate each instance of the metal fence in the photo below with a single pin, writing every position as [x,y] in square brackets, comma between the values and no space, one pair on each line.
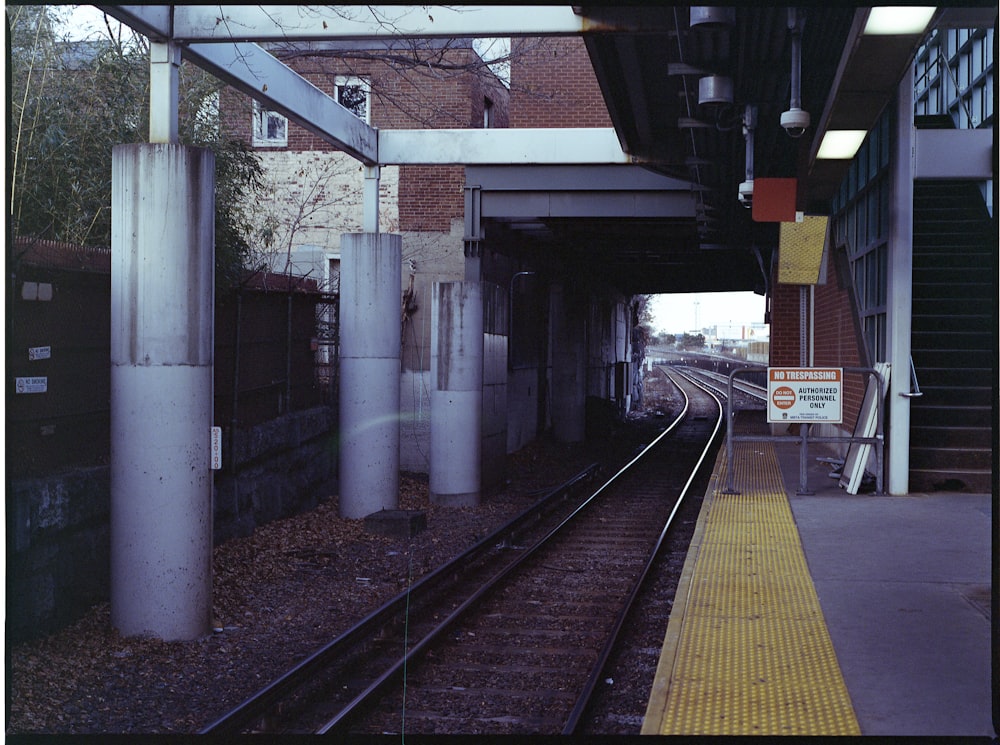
[275,352]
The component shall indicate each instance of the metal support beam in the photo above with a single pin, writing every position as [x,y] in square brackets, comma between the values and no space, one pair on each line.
[164,66]
[899,305]
[500,146]
[250,69]
[369,217]
[324,23]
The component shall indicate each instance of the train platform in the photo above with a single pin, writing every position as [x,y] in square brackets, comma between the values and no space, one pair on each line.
[827,613]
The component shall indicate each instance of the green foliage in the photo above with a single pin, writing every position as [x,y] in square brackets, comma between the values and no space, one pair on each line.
[71,102]
[693,341]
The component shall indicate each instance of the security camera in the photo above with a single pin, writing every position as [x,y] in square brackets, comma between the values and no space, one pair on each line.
[795,122]
[746,193]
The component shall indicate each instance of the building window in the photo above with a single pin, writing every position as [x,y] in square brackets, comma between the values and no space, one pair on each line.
[861,221]
[953,76]
[270,129]
[487,113]
[354,94]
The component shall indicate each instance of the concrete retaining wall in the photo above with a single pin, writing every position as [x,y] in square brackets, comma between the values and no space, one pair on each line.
[58,555]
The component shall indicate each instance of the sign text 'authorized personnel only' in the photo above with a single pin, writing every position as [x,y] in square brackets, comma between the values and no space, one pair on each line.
[805,394]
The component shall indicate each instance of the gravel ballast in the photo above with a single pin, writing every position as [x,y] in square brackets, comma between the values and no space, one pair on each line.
[279,595]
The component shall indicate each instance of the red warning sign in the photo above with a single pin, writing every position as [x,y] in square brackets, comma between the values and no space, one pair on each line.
[804,394]
[783,397]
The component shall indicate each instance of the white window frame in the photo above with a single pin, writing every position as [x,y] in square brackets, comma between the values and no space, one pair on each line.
[260,118]
[487,113]
[341,81]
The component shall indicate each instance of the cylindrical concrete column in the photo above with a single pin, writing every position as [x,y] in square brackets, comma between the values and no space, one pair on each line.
[456,393]
[370,291]
[569,372]
[162,323]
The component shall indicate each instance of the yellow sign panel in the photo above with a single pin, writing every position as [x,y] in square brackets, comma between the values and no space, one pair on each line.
[800,250]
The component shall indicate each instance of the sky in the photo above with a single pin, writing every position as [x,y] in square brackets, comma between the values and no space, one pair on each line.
[84,20]
[677,313]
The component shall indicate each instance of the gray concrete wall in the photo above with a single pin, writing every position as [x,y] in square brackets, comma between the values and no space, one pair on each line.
[59,537]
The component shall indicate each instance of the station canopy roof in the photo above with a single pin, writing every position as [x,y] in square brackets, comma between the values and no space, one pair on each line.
[665,215]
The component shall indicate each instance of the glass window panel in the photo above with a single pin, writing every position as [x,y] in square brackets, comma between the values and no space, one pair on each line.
[871,280]
[883,221]
[862,224]
[872,201]
[861,159]
[885,140]
[353,94]
[988,98]
[852,235]
[883,272]
[873,149]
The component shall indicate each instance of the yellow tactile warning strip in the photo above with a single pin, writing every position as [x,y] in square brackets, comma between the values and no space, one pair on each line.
[747,651]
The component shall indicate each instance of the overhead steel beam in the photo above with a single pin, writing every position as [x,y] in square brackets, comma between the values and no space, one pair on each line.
[342,22]
[597,204]
[291,23]
[152,21]
[251,70]
[572,178]
[499,146]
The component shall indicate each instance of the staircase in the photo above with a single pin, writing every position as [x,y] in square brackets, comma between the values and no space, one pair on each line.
[953,335]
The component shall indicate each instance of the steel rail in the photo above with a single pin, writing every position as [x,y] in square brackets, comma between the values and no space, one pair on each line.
[573,721]
[415,651]
[260,703]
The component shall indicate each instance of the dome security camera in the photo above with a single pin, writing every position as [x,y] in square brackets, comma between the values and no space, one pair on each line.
[746,193]
[795,122]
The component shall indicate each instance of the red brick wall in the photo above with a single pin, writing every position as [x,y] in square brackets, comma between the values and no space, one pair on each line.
[452,95]
[430,197]
[553,85]
[835,341]
[785,325]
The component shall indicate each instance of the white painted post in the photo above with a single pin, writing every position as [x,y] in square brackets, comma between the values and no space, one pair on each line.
[456,393]
[164,67]
[899,308]
[162,320]
[370,291]
[370,206]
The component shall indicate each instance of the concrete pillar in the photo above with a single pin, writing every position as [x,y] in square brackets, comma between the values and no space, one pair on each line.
[456,393]
[370,292]
[162,322]
[569,371]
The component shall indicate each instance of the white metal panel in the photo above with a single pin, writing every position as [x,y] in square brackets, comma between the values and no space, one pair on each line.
[499,146]
[152,21]
[953,153]
[314,23]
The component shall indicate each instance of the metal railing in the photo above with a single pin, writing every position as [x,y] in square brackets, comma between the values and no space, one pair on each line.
[877,440]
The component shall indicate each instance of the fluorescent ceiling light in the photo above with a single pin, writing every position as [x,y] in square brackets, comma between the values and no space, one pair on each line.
[841,144]
[887,21]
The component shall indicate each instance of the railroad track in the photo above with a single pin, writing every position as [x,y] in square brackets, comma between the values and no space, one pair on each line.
[514,635]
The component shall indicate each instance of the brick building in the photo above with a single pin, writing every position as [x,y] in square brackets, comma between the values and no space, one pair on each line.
[316,191]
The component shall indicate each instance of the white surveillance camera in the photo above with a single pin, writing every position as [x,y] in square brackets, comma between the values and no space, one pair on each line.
[795,122]
[746,193]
